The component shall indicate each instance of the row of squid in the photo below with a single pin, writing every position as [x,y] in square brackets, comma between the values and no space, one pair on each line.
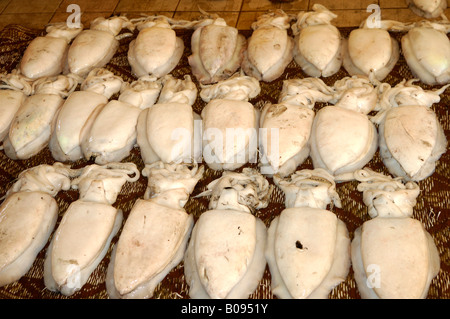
[225,252]
[219,50]
[157,116]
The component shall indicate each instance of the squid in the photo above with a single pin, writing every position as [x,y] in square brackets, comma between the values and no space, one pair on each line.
[343,138]
[285,127]
[76,115]
[411,138]
[217,50]
[308,246]
[426,49]
[318,46]
[28,216]
[84,234]
[169,131]
[15,88]
[102,81]
[270,48]
[230,123]
[225,255]
[393,255]
[113,133]
[370,50]
[47,55]
[427,8]
[156,50]
[155,235]
[96,46]
[142,93]
[31,128]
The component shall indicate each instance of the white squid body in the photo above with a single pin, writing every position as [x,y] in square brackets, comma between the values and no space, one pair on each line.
[371,51]
[10,101]
[169,131]
[427,53]
[427,8]
[113,133]
[84,234]
[225,256]
[285,127]
[318,48]
[308,247]
[78,112]
[217,51]
[155,234]
[27,218]
[230,123]
[31,128]
[343,139]
[269,49]
[156,50]
[47,55]
[14,90]
[96,46]
[406,268]
[411,138]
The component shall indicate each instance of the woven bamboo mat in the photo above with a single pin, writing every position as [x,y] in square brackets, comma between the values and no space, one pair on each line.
[432,209]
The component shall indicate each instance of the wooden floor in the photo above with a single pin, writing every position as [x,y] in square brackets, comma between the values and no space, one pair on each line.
[238,13]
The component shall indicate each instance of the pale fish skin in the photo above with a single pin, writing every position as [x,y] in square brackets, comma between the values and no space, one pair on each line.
[14,91]
[286,125]
[370,50]
[229,229]
[217,50]
[427,8]
[343,138]
[308,248]
[155,235]
[31,128]
[96,46]
[318,48]
[169,130]
[405,270]
[156,50]
[78,112]
[228,111]
[84,234]
[426,49]
[113,132]
[28,216]
[411,137]
[269,48]
[47,55]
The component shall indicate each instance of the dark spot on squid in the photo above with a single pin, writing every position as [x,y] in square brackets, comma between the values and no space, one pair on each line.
[299,245]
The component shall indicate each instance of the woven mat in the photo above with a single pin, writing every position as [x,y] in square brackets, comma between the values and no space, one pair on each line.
[432,209]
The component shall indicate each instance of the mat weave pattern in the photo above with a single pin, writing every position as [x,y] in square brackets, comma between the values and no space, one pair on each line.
[432,209]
